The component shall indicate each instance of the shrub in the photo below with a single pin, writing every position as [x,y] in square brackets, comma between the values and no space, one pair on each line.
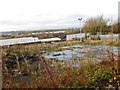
[99,77]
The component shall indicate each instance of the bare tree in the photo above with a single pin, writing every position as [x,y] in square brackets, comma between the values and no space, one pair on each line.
[94,25]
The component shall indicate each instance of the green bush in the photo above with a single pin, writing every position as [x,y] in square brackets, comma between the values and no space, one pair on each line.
[99,77]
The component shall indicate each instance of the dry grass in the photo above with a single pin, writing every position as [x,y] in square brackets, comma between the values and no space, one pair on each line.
[51,73]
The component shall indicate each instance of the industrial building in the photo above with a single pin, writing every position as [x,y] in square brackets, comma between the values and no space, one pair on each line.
[75,36]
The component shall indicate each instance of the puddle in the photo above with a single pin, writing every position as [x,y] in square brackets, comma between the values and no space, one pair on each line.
[64,55]
[65,47]
[97,51]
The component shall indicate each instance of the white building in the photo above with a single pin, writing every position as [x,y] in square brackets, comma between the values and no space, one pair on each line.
[111,36]
[75,36]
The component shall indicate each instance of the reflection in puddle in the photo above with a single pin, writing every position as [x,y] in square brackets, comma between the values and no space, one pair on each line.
[64,55]
[97,51]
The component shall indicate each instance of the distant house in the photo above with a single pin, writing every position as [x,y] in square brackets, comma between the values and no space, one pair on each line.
[48,32]
[26,40]
[75,36]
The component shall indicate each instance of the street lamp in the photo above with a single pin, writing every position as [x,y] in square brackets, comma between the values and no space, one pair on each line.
[80,23]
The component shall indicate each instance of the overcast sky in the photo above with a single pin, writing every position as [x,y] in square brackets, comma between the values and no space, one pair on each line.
[50,14]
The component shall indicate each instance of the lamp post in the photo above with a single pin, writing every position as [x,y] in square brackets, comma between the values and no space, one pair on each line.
[80,23]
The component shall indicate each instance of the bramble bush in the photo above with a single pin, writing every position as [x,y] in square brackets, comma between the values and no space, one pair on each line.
[98,77]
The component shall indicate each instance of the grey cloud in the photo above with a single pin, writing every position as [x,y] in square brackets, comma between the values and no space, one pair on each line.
[36,22]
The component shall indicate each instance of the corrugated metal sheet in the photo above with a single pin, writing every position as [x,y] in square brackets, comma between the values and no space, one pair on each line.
[26,40]
[50,40]
[114,36]
[18,41]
